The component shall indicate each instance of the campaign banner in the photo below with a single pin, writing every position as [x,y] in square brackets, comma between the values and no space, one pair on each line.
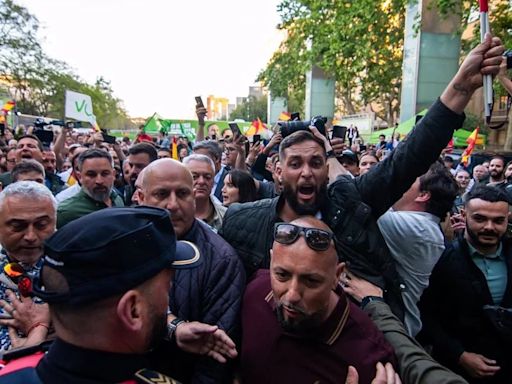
[79,107]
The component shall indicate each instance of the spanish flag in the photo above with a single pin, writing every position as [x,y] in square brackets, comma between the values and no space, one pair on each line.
[471,140]
[256,128]
[174,149]
[9,106]
[284,116]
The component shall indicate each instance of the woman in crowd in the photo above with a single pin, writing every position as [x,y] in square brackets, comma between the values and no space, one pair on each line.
[239,187]
[368,161]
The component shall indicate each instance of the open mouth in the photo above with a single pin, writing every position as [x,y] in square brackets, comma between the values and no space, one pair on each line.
[306,192]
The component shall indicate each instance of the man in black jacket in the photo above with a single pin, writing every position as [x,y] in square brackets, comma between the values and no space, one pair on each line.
[352,206]
[469,289]
[210,294]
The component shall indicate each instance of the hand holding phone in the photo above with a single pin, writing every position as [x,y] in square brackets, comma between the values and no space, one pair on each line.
[200,110]
[339,132]
[199,102]
[235,129]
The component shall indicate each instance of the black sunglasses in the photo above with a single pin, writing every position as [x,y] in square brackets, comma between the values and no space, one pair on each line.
[316,239]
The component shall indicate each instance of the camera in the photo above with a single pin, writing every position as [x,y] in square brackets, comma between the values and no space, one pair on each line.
[289,127]
[39,123]
[508,55]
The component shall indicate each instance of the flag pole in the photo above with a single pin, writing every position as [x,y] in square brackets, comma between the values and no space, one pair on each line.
[484,28]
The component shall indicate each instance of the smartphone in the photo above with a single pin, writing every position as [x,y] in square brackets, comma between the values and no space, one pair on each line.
[295,116]
[256,138]
[199,101]
[339,132]
[214,137]
[2,129]
[235,129]
[109,139]
[362,147]
[46,137]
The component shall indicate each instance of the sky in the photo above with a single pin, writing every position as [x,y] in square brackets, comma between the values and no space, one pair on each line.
[159,54]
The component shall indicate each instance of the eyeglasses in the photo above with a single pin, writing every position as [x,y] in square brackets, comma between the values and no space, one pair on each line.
[18,275]
[316,239]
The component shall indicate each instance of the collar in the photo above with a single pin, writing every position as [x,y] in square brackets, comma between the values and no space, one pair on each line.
[217,176]
[65,360]
[330,330]
[5,259]
[474,253]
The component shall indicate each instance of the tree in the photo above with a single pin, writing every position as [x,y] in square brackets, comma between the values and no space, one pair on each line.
[38,82]
[358,43]
[250,110]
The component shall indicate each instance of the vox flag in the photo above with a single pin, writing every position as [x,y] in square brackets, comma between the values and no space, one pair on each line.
[79,107]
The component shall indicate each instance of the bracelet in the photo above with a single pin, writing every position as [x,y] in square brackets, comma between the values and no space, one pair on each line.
[368,299]
[39,324]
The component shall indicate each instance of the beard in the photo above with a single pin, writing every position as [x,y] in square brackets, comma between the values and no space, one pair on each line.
[496,174]
[299,325]
[475,237]
[98,194]
[310,209]
[158,330]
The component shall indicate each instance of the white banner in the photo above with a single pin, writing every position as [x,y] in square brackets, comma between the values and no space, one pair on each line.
[79,107]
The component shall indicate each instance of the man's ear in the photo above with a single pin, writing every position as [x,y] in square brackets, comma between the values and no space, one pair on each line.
[423,197]
[78,175]
[340,269]
[130,310]
[141,195]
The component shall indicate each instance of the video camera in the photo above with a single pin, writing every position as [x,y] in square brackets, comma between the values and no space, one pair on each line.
[289,127]
[40,123]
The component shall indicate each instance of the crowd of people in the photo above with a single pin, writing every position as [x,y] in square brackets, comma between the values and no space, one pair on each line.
[301,260]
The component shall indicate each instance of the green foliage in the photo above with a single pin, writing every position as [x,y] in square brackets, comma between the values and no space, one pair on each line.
[252,109]
[473,121]
[359,43]
[38,82]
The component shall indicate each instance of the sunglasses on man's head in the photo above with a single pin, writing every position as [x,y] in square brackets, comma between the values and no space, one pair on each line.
[316,239]
[18,275]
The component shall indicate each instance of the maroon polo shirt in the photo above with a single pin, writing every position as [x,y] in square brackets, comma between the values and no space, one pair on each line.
[270,355]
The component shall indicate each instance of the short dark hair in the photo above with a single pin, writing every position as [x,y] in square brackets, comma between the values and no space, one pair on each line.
[488,193]
[297,138]
[245,183]
[146,148]
[94,153]
[212,147]
[26,166]
[443,189]
[33,137]
[498,157]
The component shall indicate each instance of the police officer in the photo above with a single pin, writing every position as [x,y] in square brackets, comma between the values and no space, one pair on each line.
[106,277]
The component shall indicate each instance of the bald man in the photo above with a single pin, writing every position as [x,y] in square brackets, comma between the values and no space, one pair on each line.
[212,293]
[297,324]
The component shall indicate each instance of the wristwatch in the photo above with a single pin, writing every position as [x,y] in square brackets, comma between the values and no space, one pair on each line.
[172,326]
[368,299]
